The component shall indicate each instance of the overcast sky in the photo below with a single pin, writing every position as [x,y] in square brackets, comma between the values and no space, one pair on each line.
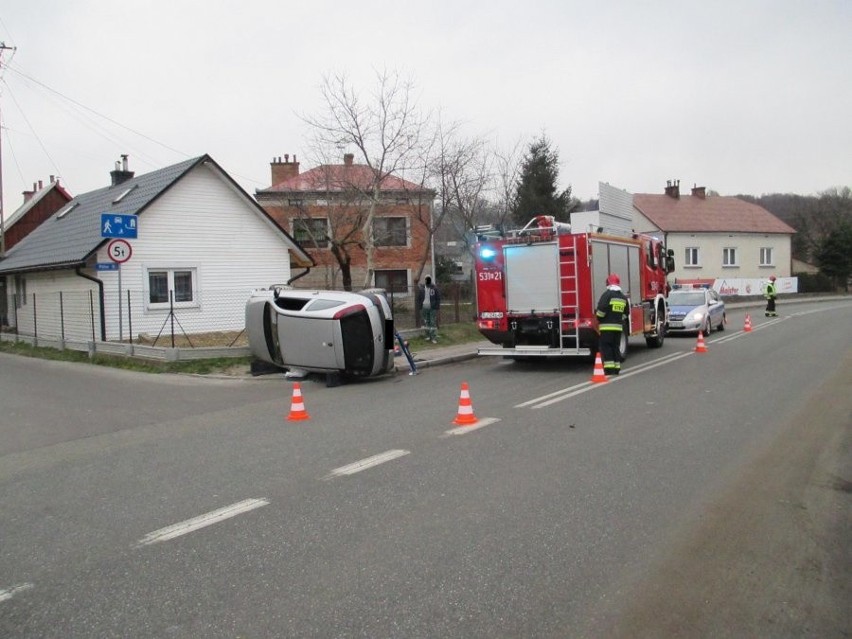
[745,96]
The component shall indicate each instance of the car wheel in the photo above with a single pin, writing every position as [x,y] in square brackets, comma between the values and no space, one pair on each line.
[707,327]
[721,326]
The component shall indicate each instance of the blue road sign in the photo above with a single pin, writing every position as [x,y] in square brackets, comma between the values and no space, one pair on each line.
[118,225]
[107,266]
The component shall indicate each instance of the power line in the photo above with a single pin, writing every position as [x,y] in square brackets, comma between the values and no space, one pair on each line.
[17,71]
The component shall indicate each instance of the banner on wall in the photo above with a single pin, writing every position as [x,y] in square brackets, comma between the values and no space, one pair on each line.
[734,287]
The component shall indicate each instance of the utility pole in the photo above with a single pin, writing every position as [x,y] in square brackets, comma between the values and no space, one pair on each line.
[3,49]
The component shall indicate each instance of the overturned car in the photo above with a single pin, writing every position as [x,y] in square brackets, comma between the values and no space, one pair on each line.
[332,332]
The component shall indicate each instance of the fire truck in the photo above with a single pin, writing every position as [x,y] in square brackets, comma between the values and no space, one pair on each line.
[537,288]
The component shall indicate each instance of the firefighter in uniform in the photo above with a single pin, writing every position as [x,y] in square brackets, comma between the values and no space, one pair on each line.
[611,313]
[770,294]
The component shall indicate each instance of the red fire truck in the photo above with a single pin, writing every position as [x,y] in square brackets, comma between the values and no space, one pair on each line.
[537,288]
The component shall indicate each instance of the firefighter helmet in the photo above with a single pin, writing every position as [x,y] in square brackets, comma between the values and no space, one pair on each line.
[613,280]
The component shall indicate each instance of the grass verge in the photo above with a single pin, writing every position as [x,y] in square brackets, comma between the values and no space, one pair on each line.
[197,367]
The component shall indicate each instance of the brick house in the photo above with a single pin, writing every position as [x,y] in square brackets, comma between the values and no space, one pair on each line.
[39,204]
[324,209]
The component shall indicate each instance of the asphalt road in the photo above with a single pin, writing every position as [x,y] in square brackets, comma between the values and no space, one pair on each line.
[696,495]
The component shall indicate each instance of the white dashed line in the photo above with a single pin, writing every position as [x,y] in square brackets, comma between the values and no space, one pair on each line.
[464,430]
[7,594]
[364,464]
[190,525]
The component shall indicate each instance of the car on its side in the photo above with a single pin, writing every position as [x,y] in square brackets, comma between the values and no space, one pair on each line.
[695,310]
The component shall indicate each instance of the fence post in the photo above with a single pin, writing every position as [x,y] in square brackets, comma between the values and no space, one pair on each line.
[15,310]
[62,319]
[92,313]
[172,314]
[35,322]
[129,317]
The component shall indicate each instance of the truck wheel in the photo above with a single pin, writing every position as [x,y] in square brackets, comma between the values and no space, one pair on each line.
[656,340]
[622,344]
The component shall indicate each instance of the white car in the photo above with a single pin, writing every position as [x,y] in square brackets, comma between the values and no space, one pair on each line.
[332,332]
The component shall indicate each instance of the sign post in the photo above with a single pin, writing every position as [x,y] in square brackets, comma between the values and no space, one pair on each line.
[119,251]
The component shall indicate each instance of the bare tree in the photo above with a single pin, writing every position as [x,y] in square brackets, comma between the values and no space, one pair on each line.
[507,176]
[338,228]
[384,130]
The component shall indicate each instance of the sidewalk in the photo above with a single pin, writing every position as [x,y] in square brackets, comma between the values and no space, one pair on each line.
[441,355]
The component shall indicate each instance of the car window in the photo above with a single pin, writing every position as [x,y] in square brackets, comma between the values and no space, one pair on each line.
[686,298]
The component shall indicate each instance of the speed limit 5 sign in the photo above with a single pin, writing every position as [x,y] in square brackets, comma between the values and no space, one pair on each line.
[119,251]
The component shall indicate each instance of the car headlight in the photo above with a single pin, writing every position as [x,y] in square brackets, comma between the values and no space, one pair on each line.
[697,315]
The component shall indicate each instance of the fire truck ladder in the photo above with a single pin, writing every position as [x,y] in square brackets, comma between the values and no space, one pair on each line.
[568,294]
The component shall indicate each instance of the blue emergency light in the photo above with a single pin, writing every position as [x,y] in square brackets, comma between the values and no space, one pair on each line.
[487,253]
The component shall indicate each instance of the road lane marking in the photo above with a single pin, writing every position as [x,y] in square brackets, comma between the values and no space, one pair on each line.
[364,464]
[464,430]
[571,391]
[7,594]
[208,519]
[668,359]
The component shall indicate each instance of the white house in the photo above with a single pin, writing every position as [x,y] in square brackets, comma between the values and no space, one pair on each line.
[203,244]
[716,237]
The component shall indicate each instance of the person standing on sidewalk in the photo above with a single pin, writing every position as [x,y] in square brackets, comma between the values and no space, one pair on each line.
[429,299]
[770,293]
[611,313]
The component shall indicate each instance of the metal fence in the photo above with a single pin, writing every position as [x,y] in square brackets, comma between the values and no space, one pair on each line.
[213,318]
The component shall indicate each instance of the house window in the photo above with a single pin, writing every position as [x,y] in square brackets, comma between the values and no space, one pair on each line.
[390,231]
[20,291]
[179,281]
[729,256]
[691,256]
[311,232]
[766,256]
[394,281]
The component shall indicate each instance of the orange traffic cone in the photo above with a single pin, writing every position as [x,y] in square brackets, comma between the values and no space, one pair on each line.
[297,407]
[465,416]
[700,347]
[747,327]
[598,374]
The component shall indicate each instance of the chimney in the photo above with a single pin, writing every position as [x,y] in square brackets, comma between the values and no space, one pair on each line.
[285,170]
[121,174]
[348,158]
[28,195]
[699,191]
[673,188]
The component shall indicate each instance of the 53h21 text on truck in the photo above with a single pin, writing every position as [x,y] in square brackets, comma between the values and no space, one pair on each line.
[537,288]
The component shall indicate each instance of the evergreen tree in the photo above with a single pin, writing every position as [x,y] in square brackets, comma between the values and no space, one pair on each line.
[537,191]
[834,257]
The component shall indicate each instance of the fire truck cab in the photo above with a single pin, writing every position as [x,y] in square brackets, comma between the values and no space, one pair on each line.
[537,288]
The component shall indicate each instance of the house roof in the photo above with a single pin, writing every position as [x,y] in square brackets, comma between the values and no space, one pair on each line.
[710,214]
[70,236]
[338,178]
[39,195]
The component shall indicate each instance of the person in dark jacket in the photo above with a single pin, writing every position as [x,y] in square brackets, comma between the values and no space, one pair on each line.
[429,300]
[770,293]
[612,311]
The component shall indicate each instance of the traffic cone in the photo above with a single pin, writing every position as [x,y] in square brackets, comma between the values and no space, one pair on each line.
[700,347]
[465,416]
[598,374]
[747,327]
[297,407]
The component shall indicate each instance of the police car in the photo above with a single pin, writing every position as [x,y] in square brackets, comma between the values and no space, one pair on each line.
[694,310]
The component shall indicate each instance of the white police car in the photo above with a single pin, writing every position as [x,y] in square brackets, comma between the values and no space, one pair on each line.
[696,310]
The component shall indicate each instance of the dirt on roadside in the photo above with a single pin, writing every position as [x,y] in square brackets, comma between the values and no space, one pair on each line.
[773,556]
